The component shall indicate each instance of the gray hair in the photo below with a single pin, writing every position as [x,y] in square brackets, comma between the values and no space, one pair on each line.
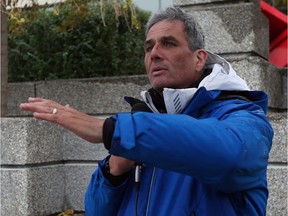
[194,33]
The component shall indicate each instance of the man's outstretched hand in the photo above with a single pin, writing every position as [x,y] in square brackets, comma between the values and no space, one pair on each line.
[81,124]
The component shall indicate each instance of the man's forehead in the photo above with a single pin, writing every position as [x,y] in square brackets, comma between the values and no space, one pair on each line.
[165,29]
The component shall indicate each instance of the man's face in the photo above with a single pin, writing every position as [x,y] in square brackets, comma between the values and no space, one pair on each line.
[168,59]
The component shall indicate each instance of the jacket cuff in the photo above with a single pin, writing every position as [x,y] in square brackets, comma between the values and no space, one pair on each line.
[108,130]
[114,180]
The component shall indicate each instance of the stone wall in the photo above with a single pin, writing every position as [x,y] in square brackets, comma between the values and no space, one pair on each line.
[45,169]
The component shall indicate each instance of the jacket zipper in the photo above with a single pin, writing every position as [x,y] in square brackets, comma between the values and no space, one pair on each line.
[150,190]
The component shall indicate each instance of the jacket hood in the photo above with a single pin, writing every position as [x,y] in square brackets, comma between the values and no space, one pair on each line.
[223,77]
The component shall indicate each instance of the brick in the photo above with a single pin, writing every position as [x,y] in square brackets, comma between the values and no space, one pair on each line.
[19,93]
[44,190]
[234,28]
[94,96]
[27,141]
[277,184]
[261,75]
[278,153]
[32,191]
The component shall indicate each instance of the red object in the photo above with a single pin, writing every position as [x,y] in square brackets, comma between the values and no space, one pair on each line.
[278,22]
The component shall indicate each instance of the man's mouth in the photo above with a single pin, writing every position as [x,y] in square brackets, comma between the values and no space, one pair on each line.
[158,68]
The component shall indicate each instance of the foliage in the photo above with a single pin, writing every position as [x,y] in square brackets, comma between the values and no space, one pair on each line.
[279,4]
[76,39]
[67,212]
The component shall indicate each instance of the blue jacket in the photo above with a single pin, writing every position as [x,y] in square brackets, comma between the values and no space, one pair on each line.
[208,156]
[210,160]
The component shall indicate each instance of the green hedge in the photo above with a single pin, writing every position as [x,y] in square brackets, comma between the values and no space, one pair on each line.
[75,44]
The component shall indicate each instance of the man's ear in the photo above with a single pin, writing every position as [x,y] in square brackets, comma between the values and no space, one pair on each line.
[202,56]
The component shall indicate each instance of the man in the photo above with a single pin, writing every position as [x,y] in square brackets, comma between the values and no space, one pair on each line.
[197,144]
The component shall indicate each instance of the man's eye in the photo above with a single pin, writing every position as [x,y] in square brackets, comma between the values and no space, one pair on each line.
[148,49]
[169,44]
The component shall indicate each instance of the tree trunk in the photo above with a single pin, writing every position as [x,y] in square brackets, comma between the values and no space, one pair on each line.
[4,59]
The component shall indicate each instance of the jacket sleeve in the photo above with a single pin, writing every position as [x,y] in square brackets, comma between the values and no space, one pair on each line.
[102,198]
[227,148]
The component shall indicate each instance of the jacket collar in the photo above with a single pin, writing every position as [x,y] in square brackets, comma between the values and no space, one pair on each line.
[223,77]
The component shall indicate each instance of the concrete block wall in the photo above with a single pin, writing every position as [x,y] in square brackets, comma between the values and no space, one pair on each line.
[45,169]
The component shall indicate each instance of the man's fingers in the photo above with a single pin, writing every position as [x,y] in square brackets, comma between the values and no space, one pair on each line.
[32,99]
[37,107]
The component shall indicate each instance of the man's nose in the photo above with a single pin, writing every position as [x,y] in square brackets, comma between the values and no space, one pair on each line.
[156,52]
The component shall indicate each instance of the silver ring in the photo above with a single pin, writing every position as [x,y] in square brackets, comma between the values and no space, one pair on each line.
[54,111]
